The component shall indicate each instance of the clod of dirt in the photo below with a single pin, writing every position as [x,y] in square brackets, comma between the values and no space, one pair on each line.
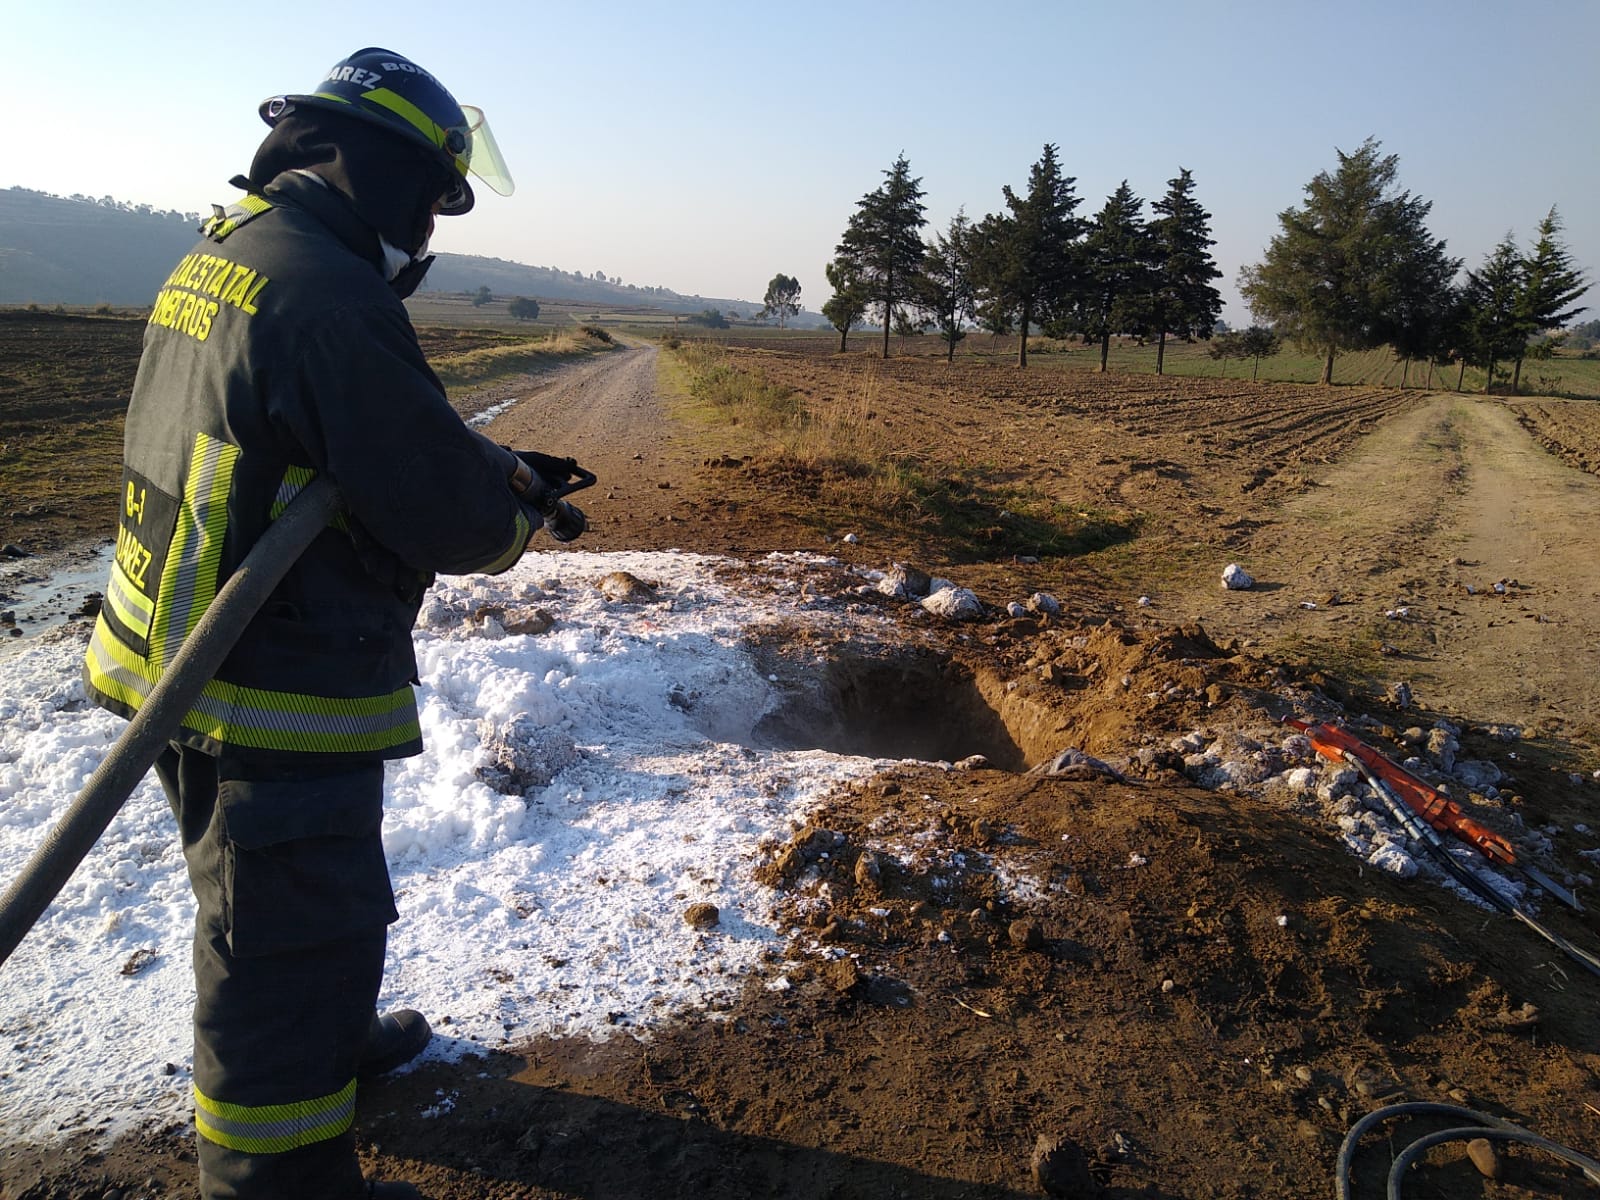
[530,622]
[138,961]
[702,915]
[1026,935]
[842,976]
[625,588]
[1061,1168]
[869,870]
[1521,1020]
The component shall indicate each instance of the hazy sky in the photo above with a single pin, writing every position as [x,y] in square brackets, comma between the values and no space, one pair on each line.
[707,147]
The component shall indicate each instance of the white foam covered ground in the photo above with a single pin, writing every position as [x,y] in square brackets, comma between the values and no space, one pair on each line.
[556,913]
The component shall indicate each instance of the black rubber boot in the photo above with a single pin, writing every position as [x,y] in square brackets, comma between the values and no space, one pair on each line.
[394,1040]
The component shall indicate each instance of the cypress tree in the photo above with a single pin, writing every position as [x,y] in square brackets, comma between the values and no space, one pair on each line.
[882,244]
[1182,300]
[1494,329]
[1550,285]
[1027,262]
[1330,279]
[1117,254]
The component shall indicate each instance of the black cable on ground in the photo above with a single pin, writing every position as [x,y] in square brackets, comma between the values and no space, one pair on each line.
[1432,844]
[1483,1126]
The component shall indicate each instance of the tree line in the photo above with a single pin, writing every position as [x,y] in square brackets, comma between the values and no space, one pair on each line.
[1352,268]
[1035,265]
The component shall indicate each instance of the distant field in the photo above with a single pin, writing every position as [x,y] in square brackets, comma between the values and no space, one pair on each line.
[65,378]
[1569,376]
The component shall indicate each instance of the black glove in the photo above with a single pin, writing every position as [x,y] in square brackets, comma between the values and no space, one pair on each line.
[536,480]
[554,471]
[565,521]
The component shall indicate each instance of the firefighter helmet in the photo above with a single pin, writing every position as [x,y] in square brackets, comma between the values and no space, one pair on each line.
[391,91]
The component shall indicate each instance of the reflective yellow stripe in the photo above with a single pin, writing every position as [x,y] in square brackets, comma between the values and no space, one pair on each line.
[189,576]
[132,607]
[230,714]
[519,542]
[274,1128]
[226,220]
[402,108]
[294,481]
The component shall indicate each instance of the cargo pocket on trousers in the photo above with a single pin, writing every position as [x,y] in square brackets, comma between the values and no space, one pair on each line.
[304,861]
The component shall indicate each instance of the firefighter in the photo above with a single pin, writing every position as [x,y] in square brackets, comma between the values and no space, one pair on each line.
[279,350]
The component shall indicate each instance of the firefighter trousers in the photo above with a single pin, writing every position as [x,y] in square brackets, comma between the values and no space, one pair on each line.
[293,904]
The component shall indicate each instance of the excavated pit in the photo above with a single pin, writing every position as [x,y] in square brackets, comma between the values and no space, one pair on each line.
[903,703]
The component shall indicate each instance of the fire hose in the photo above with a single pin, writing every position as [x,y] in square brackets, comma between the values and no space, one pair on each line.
[141,743]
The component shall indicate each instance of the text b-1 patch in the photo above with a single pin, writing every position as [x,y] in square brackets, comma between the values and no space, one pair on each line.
[144,533]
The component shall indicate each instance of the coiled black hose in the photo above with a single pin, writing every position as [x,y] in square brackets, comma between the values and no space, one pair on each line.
[1483,1126]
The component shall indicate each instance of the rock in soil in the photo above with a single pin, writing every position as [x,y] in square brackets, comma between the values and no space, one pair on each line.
[1061,1168]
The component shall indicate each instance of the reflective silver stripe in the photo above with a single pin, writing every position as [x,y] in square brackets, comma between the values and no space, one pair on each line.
[133,607]
[274,1128]
[295,1131]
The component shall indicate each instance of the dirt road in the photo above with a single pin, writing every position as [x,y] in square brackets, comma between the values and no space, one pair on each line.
[610,416]
[1463,556]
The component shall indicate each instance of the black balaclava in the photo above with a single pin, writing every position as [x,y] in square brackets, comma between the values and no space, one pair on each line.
[391,184]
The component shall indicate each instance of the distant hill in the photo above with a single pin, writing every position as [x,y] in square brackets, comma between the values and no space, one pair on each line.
[79,250]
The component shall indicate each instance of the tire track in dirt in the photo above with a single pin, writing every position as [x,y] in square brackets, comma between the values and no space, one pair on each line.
[1413,531]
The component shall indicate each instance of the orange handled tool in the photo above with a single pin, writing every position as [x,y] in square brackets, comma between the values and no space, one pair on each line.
[1432,805]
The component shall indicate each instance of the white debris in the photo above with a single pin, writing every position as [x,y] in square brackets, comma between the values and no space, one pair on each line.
[1301,779]
[906,583]
[1016,610]
[1297,746]
[1477,773]
[1391,858]
[1145,602]
[850,539]
[1442,744]
[1046,603]
[1236,579]
[954,604]
[1341,781]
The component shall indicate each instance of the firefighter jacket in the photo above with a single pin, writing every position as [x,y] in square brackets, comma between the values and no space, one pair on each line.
[277,352]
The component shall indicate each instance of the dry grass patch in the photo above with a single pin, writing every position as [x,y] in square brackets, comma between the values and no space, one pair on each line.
[477,367]
[831,451]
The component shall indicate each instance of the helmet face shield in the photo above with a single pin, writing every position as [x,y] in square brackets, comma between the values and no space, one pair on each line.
[481,155]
